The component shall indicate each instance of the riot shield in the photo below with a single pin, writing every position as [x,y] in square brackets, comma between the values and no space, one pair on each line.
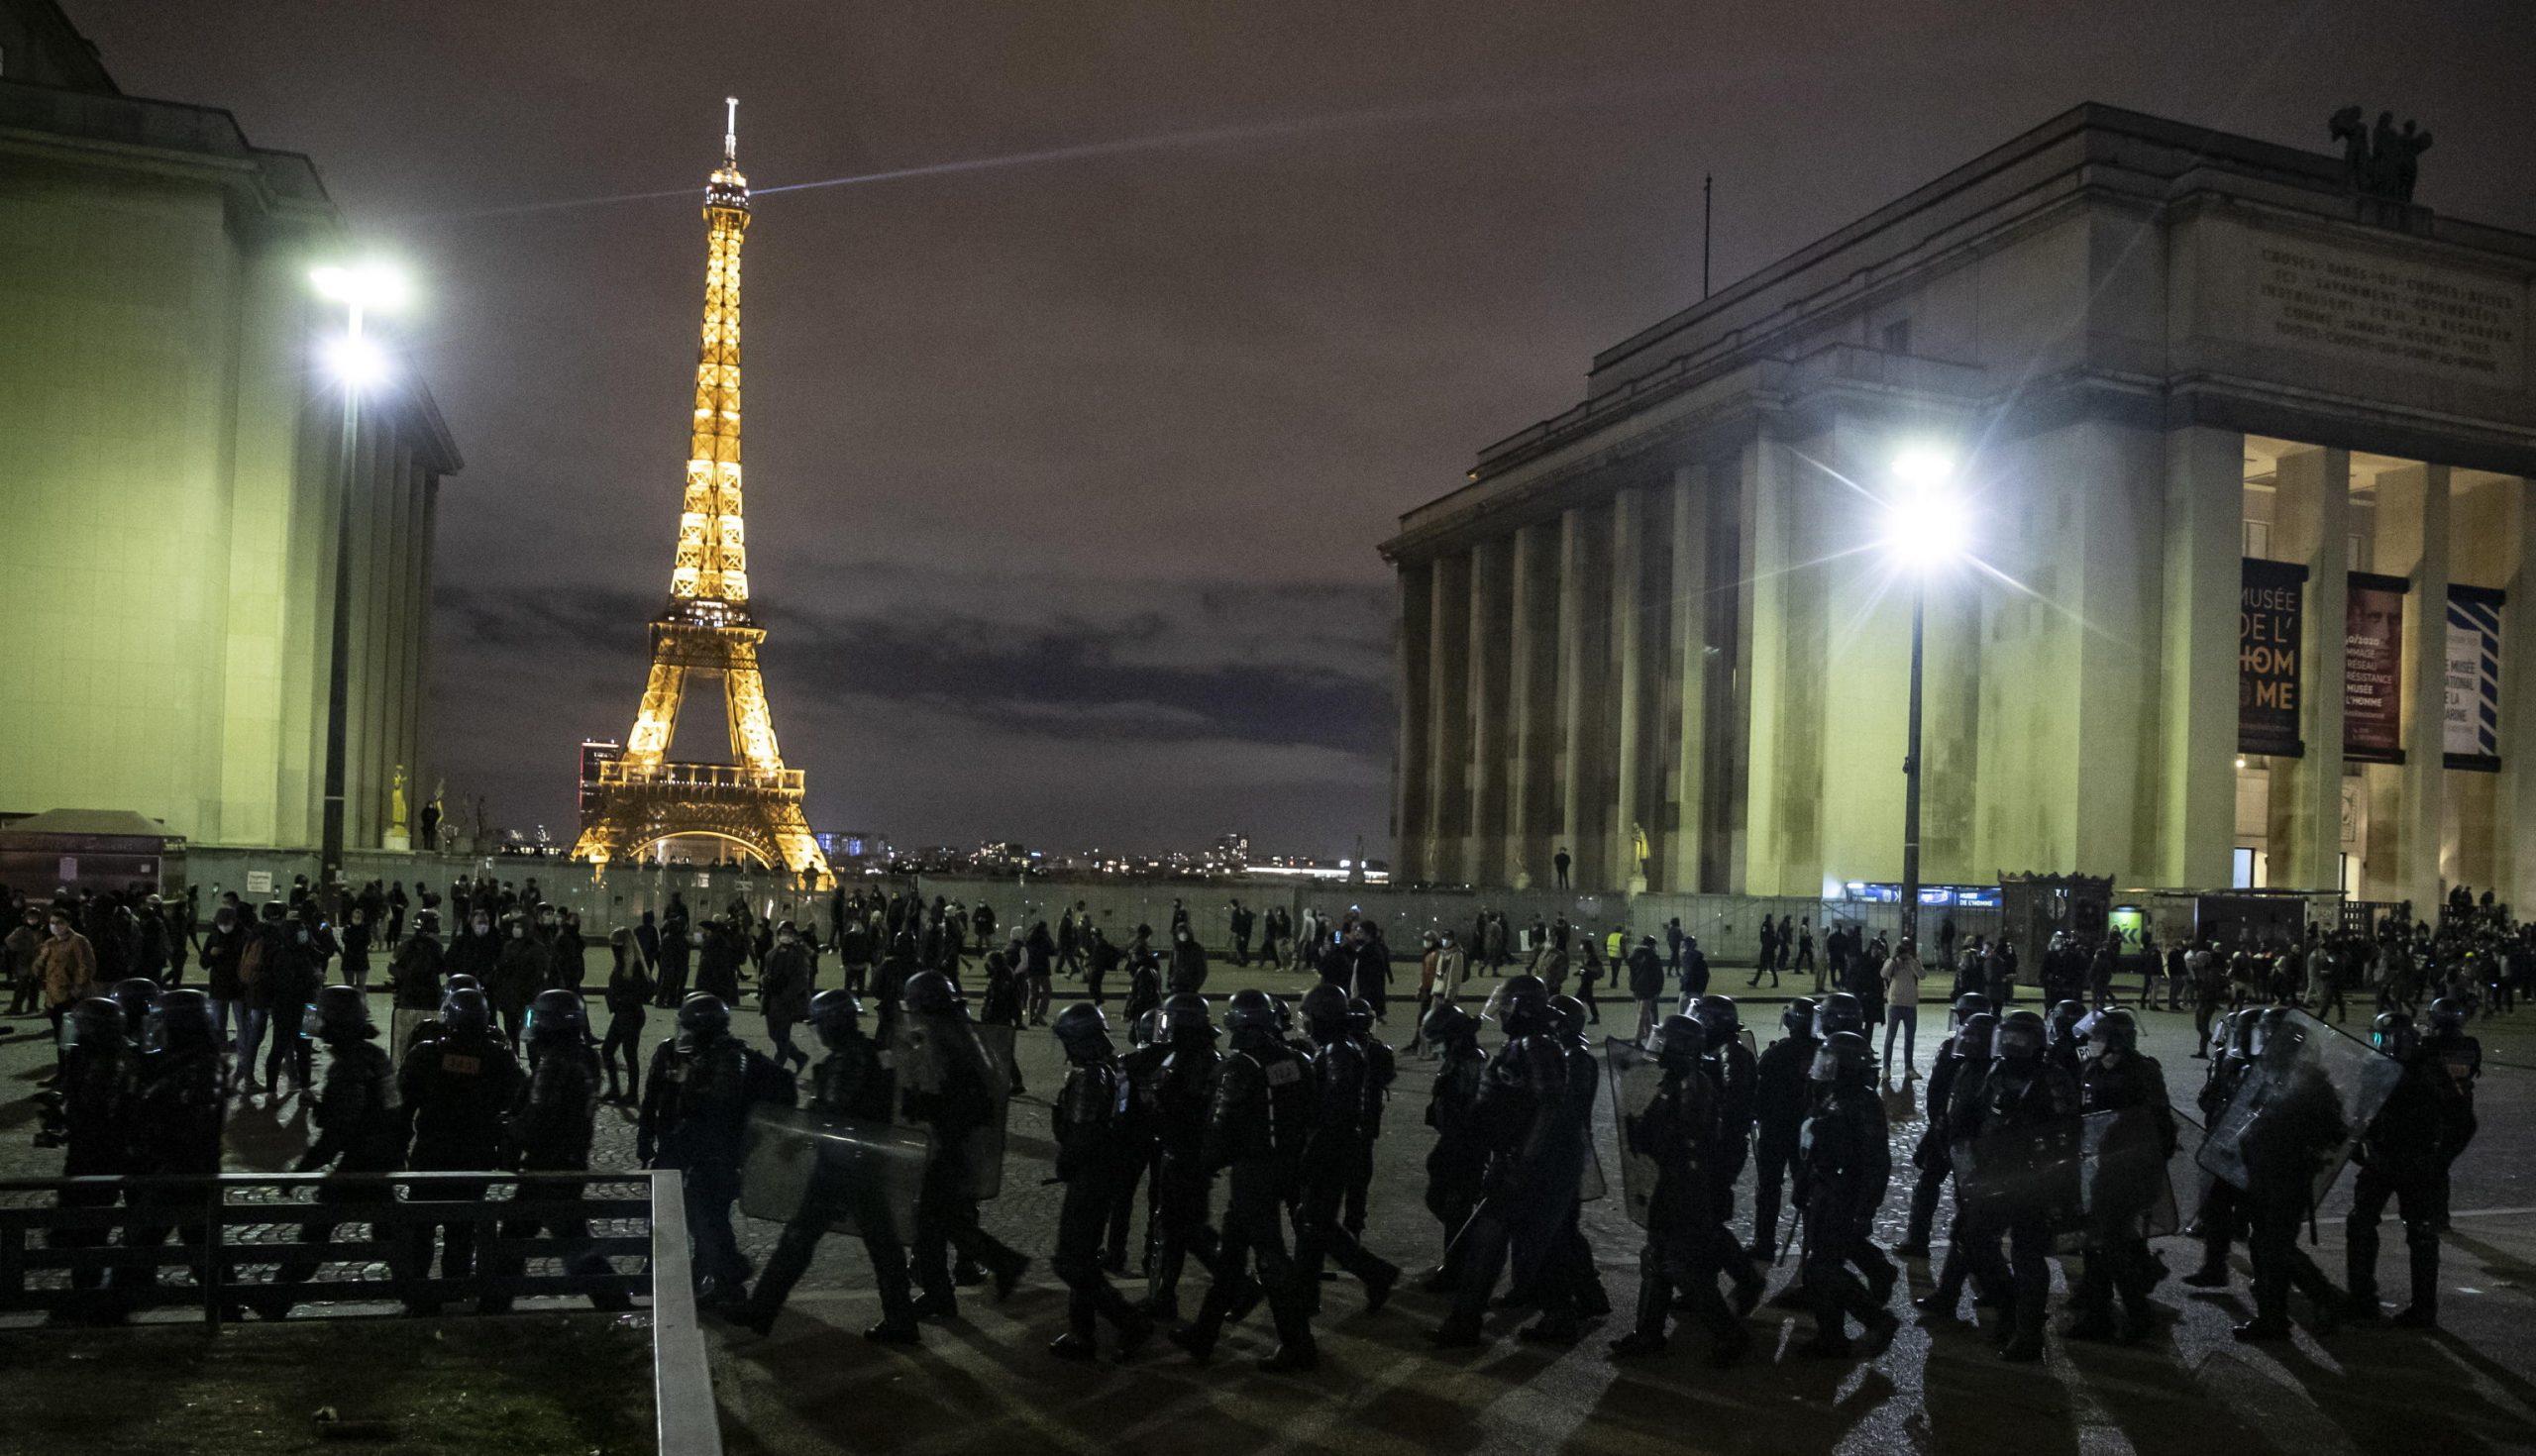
[2124,1187]
[839,1169]
[1635,1077]
[2301,1107]
[927,1052]
[2027,1174]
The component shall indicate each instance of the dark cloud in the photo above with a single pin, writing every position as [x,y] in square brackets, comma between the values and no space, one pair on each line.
[1065,475]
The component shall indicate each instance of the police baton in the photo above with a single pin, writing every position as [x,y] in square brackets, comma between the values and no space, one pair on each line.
[1793,1223]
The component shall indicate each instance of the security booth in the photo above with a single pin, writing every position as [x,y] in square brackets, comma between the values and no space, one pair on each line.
[2035,907]
[87,849]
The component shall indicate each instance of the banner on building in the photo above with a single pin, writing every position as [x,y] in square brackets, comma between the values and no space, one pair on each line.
[2471,733]
[2268,624]
[2373,676]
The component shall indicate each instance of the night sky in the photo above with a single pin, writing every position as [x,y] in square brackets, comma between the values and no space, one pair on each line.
[1065,475]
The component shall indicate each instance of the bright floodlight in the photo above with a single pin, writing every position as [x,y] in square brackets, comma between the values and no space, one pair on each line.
[356,360]
[369,286]
[1925,525]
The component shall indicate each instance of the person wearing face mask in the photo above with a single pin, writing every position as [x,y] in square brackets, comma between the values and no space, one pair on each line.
[222,947]
[784,993]
[677,946]
[291,979]
[18,955]
[1189,962]
[66,966]
[356,937]
[474,949]
[2117,1078]
[519,974]
[414,981]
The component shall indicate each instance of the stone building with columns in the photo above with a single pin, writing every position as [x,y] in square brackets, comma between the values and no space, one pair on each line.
[174,473]
[2242,448]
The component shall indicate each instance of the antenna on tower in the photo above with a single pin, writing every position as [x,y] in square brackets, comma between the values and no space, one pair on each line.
[731,129]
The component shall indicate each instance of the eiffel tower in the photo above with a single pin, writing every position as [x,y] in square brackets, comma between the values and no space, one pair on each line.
[706,631]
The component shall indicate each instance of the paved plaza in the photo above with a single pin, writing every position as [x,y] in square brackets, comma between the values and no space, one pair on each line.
[984,1384]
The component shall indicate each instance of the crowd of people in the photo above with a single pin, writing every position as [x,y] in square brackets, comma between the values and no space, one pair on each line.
[1276,1103]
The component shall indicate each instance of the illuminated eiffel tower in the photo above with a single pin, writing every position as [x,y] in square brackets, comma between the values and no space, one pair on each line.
[706,630]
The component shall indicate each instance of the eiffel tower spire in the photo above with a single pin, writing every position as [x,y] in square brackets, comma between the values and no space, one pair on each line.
[706,630]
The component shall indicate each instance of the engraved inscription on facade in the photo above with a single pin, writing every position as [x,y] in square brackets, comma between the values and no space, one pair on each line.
[2395,315]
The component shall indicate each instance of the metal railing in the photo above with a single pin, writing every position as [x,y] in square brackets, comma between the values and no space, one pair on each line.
[73,1246]
[699,776]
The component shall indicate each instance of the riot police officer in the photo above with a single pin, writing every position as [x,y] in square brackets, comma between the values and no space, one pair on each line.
[849,1082]
[361,1131]
[1534,1161]
[99,1097]
[455,1090]
[2222,1210]
[179,1110]
[694,1118]
[1138,1142]
[2285,1145]
[1929,1155]
[1732,1069]
[2404,1157]
[1781,1093]
[1339,1142]
[1456,1165]
[1970,1051]
[2064,1044]
[1183,1092]
[1844,1167]
[1676,1131]
[2119,1078]
[1837,1012]
[2022,1087]
[1093,1162]
[954,1100]
[1256,1131]
[549,1127]
[2461,1056]
[1382,1068]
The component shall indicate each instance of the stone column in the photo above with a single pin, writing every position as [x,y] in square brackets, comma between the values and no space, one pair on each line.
[2197,668]
[2408,803]
[1574,728]
[1689,643]
[1628,636]
[1530,682]
[2312,526]
[1447,716]
[1491,562]
[2514,795]
[1767,485]
[1411,812]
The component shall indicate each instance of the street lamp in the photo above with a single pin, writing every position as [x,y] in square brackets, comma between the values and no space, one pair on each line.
[1925,530]
[358,364]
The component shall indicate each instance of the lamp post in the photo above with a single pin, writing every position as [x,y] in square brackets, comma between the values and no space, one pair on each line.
[1923,529]
[357,364]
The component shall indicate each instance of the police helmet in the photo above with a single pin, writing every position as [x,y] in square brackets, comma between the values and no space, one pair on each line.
[2395,1034]
[1718,1014]
[1449,1023]
[1681,1040]
[2020,1037]
[2066,1016]
[96,1022]
[1186,1020]
[1083,1031]
[1569,1014]
[703,1019]
[1251,1012]
[835,1015]
[2114,1030]
[464,982]
[340,1013]
[1798,1018]
[135,993]
[1974,1038]
[1839,1012]
[1844,1060]
[557,1015]
[1324,1007]
[1523,1005]
[929,992]
[1971,1002]
[1360,1017]
[2447,1016]
[466,1009]
[182,1020]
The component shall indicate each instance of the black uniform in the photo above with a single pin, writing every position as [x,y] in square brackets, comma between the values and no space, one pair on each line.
[1183,1097]
[1096,1158]
[360,1130]
[2222,1214]
[549,1127]
[178,1113]
[848,1083]
[1781,1096]
[946,1215]
[1256,1131]
[100,1100]
[2404,1156]
[1347,1105]
[1844,1166]
[1928,1156]
[2118,1261]
[1139,1150]
[1678,1130]
[1735,1074]
[2283,1147]
[694,1118]
[1528,1191]
[1382,1068]
[456,1089]
[1458,1163]
[2015,1092]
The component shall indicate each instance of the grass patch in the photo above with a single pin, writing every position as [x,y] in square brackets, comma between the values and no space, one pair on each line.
[517,1385]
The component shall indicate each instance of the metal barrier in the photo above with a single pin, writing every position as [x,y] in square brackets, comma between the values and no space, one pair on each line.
[271,1241]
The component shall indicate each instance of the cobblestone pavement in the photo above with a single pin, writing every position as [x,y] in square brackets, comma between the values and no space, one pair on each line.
[982,1383]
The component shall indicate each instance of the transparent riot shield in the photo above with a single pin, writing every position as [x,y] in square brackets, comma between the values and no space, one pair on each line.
[2305,1101]
[931,1054]
[1635,1077]
[2124,1187]
[2027,1174]
[838,1168]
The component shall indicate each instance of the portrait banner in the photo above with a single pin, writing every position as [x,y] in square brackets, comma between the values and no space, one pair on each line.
[2471,732]
[2271,601]
[2373,677]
